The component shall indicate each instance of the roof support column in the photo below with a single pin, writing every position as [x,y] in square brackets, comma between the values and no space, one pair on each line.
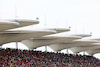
[91,54]
[83,52]
[16,45]
[45,48]
[0,46]
[67,51]
[58,52]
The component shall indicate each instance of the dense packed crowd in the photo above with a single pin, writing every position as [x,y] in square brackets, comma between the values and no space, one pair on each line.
[29,58]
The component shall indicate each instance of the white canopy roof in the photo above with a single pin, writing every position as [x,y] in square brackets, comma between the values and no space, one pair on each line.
[64,45]
[19,35]
[5,25]
[59,30]
[24,22]
[94,51]
[38,38]
[85,48]
[82,35]
[15,23]
[43,41]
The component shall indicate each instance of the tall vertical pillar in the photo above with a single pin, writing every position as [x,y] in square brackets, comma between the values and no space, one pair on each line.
[16,45]
[0,46]
[83,52]
[67,51]
[45,48]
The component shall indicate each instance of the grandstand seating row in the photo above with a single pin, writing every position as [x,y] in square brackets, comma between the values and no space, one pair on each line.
[29,58]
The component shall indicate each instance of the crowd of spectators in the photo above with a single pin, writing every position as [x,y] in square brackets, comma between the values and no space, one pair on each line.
[29,58]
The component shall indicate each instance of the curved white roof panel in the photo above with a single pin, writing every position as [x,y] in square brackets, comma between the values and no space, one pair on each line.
[92,52]
[65,45]
[82,35]
[24,22]
[15,23]
[59,30]
[96,39]
[84,48]
[5,25]
[13,36]
[44,41]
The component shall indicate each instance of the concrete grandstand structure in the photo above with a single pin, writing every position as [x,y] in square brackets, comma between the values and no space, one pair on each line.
[46,37]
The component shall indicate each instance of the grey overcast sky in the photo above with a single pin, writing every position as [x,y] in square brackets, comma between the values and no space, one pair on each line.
[82,15]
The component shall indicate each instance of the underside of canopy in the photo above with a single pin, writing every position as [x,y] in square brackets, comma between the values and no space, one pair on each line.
[25,22]
[59,30]
[73,43]
[94,51]
[5,25]
[14,36]
[44,41]
[15,23]
[82,35]
[84,48]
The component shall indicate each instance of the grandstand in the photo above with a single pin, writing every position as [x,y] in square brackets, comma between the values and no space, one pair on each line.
[50,37]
